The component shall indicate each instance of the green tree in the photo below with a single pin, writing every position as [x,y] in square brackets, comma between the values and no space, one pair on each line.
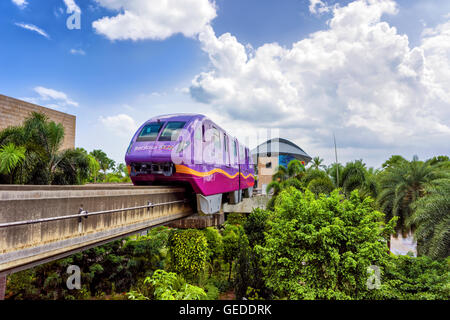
[394,161]
[431,216]
[94,167]
[421,278]
[42,139]
[402,185]
[188,250]
[170,286]
[11,157]
[215,246]
[356,176]
[321,248]
[230,242]
[317,163]
[72,168]
[255,226]
[105,162]
[335,172]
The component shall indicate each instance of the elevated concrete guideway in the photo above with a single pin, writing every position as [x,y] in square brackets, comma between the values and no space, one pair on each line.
[41,223]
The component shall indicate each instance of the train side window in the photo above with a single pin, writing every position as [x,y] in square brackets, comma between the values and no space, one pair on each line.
[241,154]
[217,142]
[235,152]
[199,133]
[226,151]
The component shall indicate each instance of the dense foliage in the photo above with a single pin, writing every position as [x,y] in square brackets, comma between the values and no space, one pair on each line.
[188,251]
[32,154]
[324,235]
[321,248]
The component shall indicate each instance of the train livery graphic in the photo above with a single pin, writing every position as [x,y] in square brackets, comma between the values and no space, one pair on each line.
[191,149]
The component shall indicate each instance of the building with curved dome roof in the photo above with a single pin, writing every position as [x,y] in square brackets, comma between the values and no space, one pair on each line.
[272,153]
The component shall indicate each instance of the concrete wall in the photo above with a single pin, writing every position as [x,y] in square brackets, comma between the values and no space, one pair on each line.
[247,204]
[21,246]
[265,174]
[14,111]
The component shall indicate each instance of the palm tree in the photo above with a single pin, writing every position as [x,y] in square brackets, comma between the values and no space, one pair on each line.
[281,174]
[402,185]
[42,141]
[432,220]
[11,157]
[94,167]
[296,168]
[393,161]
[105,162]
[72,167]
[285,177]
[317,163]
[353,176]
[334,171]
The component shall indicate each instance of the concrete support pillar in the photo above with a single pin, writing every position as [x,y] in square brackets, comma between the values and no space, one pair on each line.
[2,287]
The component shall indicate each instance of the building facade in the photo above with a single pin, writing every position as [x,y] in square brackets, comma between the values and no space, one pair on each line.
[273,153]
[14,111]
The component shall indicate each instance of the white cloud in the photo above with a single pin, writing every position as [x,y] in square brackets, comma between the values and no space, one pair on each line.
[121,124]
[318,7]
[77,52]
[359,78]
[34,28]
[72,6]
[46,94]
[154,19]
[20,3]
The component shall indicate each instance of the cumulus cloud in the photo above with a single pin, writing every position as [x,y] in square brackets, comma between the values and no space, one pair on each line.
[72,6]
[318,7]
[33,28]
[20,3]
[121,124]
[46,94]
[359,78]
[154,19]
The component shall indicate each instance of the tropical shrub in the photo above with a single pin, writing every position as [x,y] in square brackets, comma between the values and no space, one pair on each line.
[188,250]
[421,278]
[321,248]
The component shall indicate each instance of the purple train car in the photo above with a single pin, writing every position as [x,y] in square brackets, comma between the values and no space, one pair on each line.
[191,149]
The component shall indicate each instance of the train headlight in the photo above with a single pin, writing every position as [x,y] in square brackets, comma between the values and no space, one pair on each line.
[183,145]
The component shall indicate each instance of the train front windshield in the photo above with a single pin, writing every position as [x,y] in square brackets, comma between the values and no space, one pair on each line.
[171,131]
[150,131]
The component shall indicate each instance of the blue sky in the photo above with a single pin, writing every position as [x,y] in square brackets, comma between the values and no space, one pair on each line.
[304,68]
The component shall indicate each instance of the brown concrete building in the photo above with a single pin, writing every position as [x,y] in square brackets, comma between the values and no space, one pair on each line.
[14,111]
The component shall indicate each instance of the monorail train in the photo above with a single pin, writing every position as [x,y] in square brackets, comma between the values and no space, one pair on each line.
[191,149]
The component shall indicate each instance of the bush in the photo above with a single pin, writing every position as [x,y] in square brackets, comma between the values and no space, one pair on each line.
[214,240]
[322,248]
[422,278]
[170,286]
[188,250]
[255,226]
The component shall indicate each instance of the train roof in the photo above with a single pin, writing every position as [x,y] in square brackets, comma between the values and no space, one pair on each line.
[187,117]
[178,117]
